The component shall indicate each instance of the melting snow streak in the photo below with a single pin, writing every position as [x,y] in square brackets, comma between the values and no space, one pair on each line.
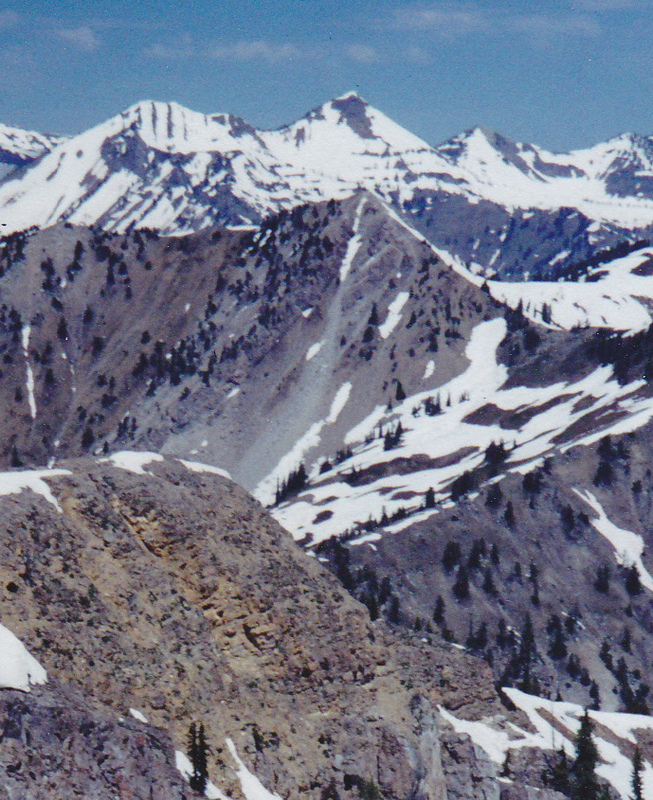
[353,245]
[628,546]
[394,314]
[29,384]
[265,491]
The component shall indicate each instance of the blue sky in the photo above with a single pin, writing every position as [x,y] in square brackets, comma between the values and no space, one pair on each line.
[561,74]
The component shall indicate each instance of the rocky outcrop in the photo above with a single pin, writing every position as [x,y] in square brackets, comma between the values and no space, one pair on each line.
[54,744]
[172,592]
[469,773]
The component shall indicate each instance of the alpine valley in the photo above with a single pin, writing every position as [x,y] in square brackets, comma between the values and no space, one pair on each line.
[330,446]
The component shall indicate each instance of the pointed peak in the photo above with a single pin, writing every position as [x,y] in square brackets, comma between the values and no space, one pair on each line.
[354,112]
[349,96]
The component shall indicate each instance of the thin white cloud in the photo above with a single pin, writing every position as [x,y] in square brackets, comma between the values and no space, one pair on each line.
[445,20]
[555,25]
[82,38]
[173,52]
[448,21]
[254,50]
[417,55]
[262,51]
[611,5]
[361,53]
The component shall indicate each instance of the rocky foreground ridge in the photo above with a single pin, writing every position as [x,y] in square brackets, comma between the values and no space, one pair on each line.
[169,591]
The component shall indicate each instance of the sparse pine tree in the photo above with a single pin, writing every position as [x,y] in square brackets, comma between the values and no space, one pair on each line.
[438,612]
[602,582]
[488,582]
[372,606]
[198,751]
[633,585]
[509,514]
[636,777]
[557,774]
[393,611]
[494,554]
[527,653]
[461,586]
[584,783]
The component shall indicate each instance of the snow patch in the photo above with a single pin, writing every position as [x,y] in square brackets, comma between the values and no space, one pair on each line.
[251,786]
[137,715]
[458,444]
[339,402]
[620,299]
[615,766]
[15,482]
[132,461]
[198,466]
[265,491]
[18,668]
[354,243]
[184,766]
[313,350]
[429,370]
[29,382]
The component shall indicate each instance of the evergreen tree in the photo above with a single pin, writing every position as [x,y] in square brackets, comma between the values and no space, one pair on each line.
[488,582]
[602,582]
[584,783]
[633,585]
[461,586]
[509,514]
[451,555]
[372,606]
[198,751]
[438,611]
[636,777]
[393,611]
[526,656]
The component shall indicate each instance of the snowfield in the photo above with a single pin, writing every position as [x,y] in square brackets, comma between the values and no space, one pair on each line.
[448,443]
[616,763]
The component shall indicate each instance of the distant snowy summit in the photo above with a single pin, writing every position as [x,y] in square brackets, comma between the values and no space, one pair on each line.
[503,208]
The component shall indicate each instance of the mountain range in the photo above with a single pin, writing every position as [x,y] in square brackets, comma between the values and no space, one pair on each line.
[161,166]
[324,313]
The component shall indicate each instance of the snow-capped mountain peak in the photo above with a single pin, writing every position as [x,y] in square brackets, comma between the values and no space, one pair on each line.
[162,166]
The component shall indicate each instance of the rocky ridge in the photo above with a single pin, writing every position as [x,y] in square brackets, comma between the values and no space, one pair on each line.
[171,592]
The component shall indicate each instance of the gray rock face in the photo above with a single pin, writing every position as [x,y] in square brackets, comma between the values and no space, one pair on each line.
[513,792]
[469,774]
[54,745]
